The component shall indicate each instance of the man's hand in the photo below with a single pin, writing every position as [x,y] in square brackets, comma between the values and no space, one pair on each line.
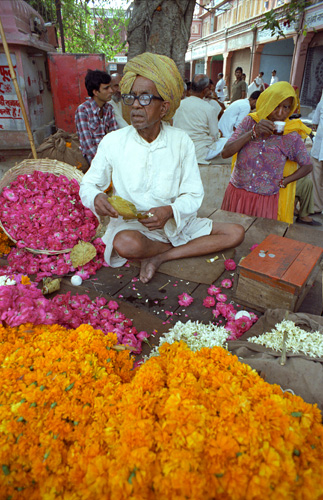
[265,127]
[103,207]
[159,217]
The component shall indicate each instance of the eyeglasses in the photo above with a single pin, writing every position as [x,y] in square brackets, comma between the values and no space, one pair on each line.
[144,99]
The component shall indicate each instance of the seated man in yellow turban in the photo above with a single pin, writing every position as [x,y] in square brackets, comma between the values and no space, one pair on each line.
[153,165]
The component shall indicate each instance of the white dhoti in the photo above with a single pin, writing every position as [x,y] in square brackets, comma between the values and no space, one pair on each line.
[194,228]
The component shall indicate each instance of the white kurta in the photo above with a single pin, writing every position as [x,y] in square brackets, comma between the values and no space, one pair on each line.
[274,79]
[200,120]
[317,149]
[117,108]
[233,116]
[164,172]
[219,89]
[257,84]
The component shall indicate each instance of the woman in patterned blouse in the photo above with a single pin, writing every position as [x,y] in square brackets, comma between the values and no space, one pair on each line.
[263,180]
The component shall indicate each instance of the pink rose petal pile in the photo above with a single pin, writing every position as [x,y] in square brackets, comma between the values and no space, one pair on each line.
[21,304]
[22,261]
[44,211]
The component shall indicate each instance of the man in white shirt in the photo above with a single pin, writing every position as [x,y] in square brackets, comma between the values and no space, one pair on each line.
[257,84]
[199,119]
[274,78]
[236,112]
[116,101]
[219,88]
[317,158]
[153,166]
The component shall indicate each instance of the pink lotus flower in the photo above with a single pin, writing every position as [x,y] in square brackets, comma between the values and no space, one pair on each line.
[230,265]
[185,299]
[213,290]
[221,297]
[209,301]
[226,283]
[254,246]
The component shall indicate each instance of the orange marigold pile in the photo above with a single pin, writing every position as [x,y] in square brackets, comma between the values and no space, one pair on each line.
[5,243]
[77,422]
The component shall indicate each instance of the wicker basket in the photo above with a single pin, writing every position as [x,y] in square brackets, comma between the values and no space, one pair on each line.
[43,165]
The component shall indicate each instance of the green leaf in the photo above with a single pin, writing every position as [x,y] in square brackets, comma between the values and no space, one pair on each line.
[46,454]
[69,387]
[219,474]
[296,453]
[5,470]
[132,475]
[53,405]
[296,414]
[42,387]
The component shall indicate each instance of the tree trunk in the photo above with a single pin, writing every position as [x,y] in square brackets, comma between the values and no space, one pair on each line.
[162,27]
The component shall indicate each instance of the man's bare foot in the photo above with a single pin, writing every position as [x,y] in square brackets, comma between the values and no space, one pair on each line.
[148,268]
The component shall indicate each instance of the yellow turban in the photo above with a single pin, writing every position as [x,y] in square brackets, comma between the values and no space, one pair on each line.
[162,71]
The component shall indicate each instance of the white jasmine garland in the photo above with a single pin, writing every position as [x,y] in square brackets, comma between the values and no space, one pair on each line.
[5,280]
[195,334]
[298,340]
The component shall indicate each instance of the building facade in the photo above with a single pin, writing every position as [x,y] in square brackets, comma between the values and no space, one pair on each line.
[227,34]
[28,42]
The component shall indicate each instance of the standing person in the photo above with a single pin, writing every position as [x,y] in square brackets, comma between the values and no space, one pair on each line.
[274,78]
[154,166]
[116,101]
[212,99]
[262,181]
[236,112]
[219,88]
[257,84]
[199,119]
[239,86]
[317,158]
[95,117]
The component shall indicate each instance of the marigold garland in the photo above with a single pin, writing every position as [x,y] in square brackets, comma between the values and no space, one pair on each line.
[78,423]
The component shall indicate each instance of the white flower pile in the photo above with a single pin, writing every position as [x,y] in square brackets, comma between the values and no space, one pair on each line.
[298,340]
[5,280]
[195,334]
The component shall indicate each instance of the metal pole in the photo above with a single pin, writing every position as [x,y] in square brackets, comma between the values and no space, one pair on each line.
[21,102]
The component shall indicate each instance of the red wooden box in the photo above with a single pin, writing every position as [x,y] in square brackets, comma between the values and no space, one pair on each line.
[280,279]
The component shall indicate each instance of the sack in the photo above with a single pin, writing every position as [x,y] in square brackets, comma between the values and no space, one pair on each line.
[301,374]
[64,147]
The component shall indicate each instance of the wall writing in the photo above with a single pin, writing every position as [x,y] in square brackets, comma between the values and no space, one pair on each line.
[10,111]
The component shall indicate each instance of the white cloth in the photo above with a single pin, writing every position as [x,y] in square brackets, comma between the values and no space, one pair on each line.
[274,79]
[164,172]
[233,116]
[219,89]
[317,149]
[200,120]
[257,84]
[117,108]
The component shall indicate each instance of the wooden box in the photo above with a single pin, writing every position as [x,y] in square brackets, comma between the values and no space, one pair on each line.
[281,278]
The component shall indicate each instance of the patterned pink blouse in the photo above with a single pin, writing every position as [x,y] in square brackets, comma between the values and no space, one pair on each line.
[260,163]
